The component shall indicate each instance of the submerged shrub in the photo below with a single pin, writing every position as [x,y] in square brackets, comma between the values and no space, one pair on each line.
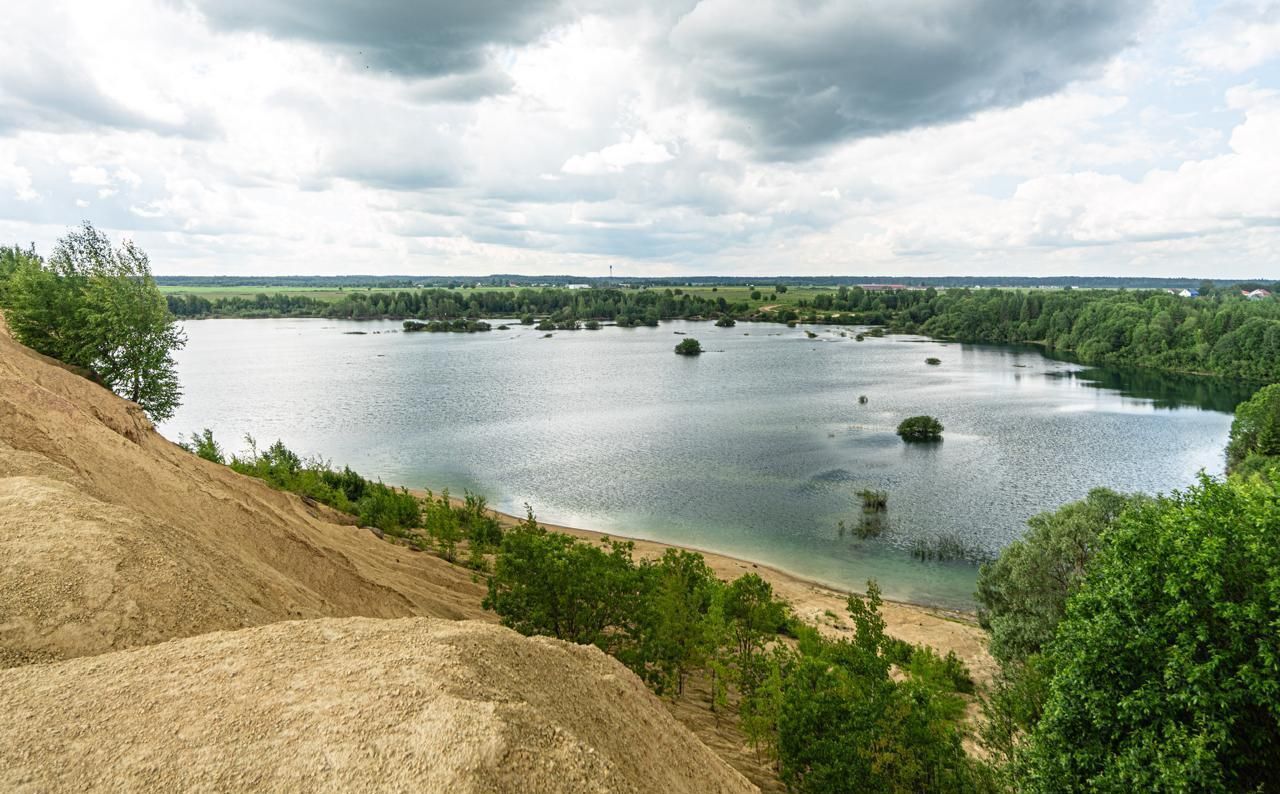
[920,428]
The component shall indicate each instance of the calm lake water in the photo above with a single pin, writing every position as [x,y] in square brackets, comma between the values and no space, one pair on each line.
[757,448]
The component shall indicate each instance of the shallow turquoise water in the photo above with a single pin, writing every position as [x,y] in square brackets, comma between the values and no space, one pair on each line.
[756,448]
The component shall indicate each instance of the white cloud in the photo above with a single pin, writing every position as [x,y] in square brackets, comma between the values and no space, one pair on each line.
[1238,36]
[639,149]
[568,144]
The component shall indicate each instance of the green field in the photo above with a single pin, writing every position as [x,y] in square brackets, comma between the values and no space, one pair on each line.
[214,293]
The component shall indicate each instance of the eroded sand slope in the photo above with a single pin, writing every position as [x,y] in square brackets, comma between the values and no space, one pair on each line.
[349,704]
[112,537]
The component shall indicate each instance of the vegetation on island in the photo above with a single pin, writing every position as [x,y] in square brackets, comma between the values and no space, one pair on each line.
[453,326]
[689,347]
[933,362]
[920,428]
[96,306]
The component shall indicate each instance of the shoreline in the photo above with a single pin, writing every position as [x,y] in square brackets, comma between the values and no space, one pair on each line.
[818,603]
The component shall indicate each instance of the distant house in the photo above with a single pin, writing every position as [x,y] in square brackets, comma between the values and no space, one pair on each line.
[577,286]
[1189,293]
[1257,294]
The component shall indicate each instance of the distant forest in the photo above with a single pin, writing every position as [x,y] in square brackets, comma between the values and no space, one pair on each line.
[268,283]
[1220,334]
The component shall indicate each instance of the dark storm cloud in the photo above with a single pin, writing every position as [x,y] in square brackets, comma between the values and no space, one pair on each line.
[798,75]
[409,38]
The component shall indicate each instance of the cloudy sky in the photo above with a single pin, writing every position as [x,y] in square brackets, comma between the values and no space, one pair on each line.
[912,137]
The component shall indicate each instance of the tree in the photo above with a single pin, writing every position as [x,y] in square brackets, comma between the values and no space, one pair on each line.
[677,618]
[1166,665]
[1024,591]
[1256,429]
[97,307]
[920,428]
[845,726]
[12,258]
[689,347]
[726,322]
[549,583]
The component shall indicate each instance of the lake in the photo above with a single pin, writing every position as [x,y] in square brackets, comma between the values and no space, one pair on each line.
[757,448]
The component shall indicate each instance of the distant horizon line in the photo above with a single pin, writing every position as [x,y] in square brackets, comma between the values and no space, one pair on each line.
[708,278]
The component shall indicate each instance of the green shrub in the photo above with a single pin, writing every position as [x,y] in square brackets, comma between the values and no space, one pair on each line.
[920,428]
[689,347]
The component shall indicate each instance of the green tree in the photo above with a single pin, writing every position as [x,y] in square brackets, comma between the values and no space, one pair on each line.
[920,428]
[1256,428]
[845,726]
[1167,664]
[689,347]
[1024,591]
[549,583]
[676,641]
[95,306]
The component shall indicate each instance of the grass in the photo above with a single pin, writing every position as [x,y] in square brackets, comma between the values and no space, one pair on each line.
[329,294]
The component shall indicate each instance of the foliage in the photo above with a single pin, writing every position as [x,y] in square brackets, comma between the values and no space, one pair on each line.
[933,362]
[920,428]
[557,305]
[390,509]
[549,583]
[844,725]
[874,499]
[725,321]
[1167,664]
[688,347]
[454,326]
[1256,429]
[1024,591]
[97,307]
[203,445]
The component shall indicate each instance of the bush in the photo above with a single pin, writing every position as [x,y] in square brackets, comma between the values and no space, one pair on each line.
[726,322]
[920,428]
[689,347]
[933,362]
[204,446]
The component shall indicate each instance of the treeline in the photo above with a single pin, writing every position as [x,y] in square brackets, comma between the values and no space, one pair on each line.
[1228,336]
[626,307]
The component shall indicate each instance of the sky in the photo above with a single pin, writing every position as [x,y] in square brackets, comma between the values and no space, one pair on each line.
[677,137]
